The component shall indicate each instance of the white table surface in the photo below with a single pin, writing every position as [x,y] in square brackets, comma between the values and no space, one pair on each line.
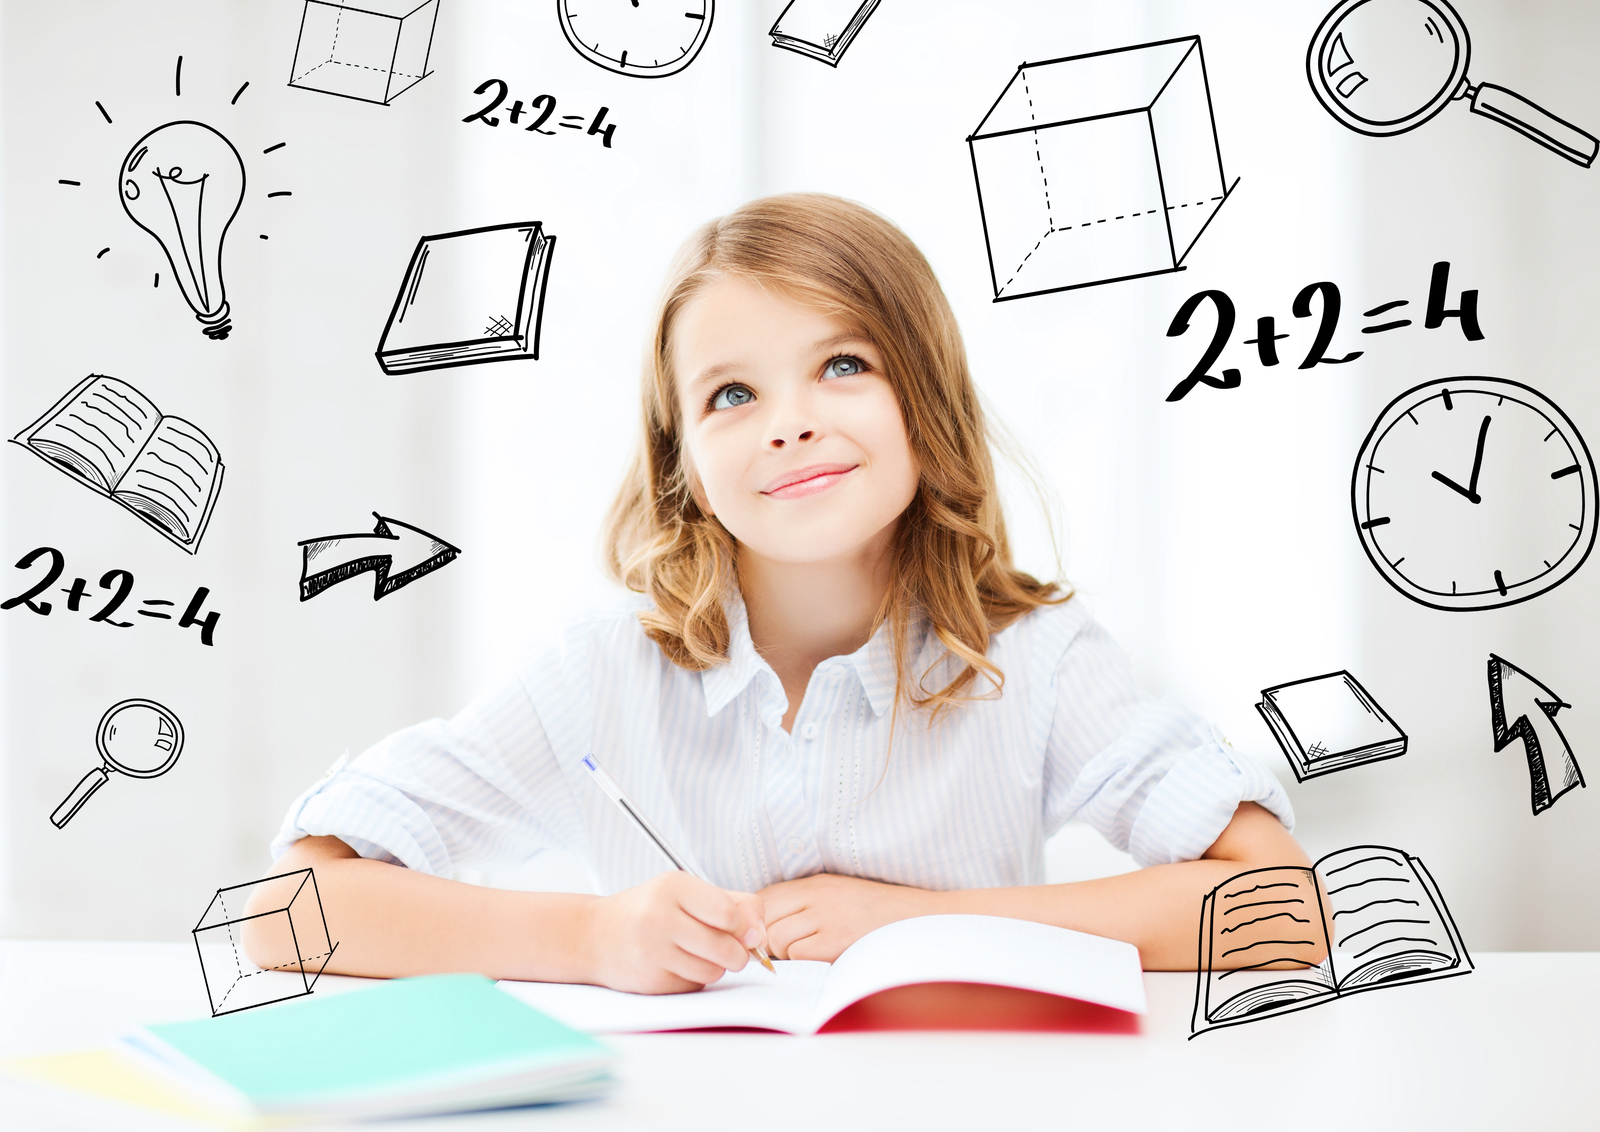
[1514,1045]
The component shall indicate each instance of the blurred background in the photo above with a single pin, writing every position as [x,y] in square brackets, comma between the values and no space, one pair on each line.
[1212,535]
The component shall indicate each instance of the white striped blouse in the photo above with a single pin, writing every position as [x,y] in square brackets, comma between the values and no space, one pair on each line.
[965,803]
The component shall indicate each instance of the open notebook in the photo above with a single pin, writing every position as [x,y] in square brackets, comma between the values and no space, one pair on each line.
[803,995]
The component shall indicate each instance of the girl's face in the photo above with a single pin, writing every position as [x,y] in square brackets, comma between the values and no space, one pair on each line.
[791,430]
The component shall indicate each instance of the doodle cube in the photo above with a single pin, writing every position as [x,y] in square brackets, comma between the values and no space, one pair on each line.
[1097,168]
[282,917]
[371,52]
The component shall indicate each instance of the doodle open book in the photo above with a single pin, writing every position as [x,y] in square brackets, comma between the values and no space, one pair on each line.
[803,996]
[1374,912]
[403,1047]
[112,439]
[469,297]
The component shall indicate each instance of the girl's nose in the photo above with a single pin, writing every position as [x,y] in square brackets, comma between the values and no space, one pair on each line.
[781,438]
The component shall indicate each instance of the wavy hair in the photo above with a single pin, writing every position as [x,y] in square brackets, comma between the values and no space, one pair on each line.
[950,561]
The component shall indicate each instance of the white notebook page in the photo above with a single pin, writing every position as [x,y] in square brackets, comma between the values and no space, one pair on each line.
[986,949]
[752,997]
[802,996]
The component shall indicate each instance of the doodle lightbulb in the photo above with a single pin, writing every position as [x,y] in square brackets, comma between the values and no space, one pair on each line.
[183,183]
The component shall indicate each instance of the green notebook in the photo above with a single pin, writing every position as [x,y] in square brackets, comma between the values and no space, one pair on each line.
[406,1047]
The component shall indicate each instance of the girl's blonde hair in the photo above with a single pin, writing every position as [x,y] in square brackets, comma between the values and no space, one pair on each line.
[950,563]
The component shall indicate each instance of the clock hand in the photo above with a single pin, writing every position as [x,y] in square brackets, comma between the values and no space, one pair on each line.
[1477,461]
[1471,490]
[1455,487]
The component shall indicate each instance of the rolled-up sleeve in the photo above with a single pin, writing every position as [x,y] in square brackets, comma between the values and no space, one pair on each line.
[1151,777]
[484,786]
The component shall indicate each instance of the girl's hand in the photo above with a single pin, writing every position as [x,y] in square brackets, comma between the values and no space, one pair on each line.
[673,933]
[819,916]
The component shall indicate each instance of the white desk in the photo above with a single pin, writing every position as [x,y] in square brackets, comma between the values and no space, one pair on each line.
[1514,1045]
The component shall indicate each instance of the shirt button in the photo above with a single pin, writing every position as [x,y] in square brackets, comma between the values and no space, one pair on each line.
[809,731]
[796,845]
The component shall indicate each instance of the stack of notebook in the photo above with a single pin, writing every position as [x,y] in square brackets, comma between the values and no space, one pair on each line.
[405,1047]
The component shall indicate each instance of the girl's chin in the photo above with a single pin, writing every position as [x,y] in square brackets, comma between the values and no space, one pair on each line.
[795,549]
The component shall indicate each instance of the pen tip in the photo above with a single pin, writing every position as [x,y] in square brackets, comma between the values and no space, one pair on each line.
[765,962]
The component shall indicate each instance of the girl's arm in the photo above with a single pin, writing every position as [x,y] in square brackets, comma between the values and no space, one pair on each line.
[1157,909]
[673,933]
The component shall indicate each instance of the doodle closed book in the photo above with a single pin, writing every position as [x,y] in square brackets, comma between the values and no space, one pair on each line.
[1362,918]
[469,297]
[403,1047]
[1042,977]
[1328,723]
[822,29]
[112,439]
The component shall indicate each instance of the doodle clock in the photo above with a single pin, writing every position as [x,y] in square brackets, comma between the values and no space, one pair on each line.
[1474,493]
[645,39]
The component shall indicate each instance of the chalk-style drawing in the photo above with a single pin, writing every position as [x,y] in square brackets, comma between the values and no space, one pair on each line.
[822,29]
[1329,303]
[397,553]
[370,51]
[112,439]
[1385,67]
[183,233]
[1098,168]
[138,738]
[469,297]
[118,584]
[538,111]
[1521,707]
[283,916]
[643,40]
[1329,723]
[183,183]
[1361,919]
[1474,493]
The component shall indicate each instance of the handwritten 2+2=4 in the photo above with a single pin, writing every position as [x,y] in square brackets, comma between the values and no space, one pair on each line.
[1330,305]
[539,112]
[119,581]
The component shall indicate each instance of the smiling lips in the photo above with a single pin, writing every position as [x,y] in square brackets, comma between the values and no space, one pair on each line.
[807,481]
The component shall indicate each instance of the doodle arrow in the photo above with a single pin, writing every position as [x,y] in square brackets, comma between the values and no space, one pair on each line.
[396,552]
[1531,708]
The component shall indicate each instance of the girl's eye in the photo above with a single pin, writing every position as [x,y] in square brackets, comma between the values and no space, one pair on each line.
[844,367]
[732,396]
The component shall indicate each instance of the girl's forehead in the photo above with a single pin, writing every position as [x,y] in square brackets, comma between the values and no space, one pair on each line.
[731,288]
[730,309]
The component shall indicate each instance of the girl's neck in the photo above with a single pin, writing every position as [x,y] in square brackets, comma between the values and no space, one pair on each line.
[802,613]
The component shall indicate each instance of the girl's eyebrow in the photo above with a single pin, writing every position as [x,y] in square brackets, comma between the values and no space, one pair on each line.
[847,338]
[714,373]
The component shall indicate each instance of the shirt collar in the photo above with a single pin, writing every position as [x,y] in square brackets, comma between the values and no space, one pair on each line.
[722,683]
[873,663]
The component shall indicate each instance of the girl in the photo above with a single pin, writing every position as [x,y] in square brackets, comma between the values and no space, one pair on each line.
[833,691]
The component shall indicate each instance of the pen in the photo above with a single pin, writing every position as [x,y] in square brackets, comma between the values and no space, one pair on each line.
[614,792]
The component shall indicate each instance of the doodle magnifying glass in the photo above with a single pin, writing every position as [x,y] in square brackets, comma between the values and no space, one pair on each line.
[138,738]
[1385,67]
